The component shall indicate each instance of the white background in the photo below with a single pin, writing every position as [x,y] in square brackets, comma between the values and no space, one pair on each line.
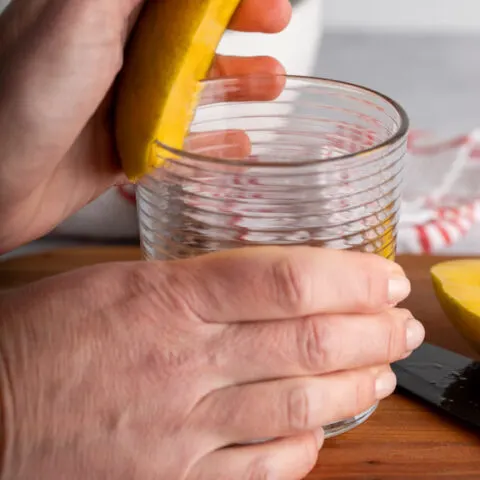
[424,15]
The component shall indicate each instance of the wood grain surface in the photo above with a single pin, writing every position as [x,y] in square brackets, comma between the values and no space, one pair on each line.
[403,440]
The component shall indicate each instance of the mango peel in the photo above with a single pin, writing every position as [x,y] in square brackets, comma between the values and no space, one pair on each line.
[457,287]
[170,51]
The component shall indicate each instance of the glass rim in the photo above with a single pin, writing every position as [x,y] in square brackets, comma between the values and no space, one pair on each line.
[393,139]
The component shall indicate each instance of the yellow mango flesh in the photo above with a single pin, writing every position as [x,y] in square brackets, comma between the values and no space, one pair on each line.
[457,286]
[171,49]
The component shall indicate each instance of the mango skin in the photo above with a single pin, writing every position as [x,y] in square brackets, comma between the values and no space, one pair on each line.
[457,287]
[170,50]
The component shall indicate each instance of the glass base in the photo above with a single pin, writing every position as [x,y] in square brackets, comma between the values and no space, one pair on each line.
[337,428]
[330,431]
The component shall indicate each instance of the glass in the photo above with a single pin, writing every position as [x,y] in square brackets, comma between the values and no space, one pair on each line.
[274,160]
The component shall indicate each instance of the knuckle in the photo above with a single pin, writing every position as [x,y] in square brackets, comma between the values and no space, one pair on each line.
[397,343]
[292,289]
[364,393]
[392,343]
[166,286]
[314,343]
[297,409]
[143,278]
[373,289]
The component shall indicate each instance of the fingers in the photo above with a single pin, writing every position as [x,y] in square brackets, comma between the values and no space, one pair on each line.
[227,144]
[283,459]
[317,345]
[265,79]
[289,407]
[267,16]
[228,66]
[268,283]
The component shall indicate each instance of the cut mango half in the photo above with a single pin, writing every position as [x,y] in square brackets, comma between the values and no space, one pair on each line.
[171,49]
[457,286]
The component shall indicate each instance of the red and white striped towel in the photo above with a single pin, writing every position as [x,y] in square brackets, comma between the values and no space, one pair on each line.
[441,200]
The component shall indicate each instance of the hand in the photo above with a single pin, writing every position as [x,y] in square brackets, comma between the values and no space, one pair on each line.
[59,59]
[157,370]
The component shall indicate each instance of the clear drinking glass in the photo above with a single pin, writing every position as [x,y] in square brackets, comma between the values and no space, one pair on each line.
[274,160]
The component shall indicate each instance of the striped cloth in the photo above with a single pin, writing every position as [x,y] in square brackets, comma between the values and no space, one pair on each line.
[441,200]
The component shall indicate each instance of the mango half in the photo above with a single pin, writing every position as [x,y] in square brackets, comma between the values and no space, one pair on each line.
[457,286]
[170,50]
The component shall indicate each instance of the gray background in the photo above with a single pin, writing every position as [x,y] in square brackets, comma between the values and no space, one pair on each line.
[404,15]
[436,77]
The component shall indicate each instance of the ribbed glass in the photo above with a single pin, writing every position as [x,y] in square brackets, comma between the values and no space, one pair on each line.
[279,161]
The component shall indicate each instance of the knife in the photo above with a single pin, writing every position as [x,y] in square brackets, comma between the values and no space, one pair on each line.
[447,380]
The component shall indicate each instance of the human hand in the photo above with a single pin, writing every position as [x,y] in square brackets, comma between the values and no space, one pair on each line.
[59,60]
[156,370]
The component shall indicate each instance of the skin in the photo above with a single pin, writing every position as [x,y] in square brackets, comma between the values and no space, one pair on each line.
[142,370]
[55,116]
[108,372]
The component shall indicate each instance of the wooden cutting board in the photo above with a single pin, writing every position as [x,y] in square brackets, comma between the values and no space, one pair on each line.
[404,439]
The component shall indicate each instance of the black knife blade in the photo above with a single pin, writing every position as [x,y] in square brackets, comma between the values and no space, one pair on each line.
[447,380]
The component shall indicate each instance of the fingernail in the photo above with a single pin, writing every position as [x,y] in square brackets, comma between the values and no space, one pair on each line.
[319,437]
[398,289]
[415,334]
[385,385]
